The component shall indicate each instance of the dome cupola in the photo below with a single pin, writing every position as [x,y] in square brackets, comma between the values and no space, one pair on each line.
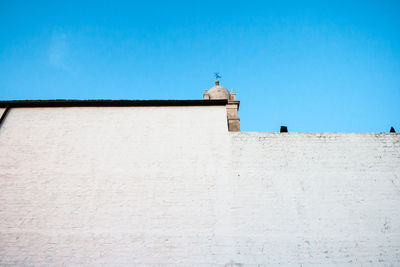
[218,92]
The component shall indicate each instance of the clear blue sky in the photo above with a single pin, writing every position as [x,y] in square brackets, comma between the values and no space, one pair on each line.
[315,66]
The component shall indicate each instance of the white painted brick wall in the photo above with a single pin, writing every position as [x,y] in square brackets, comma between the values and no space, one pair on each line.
[309,199]
[152,186]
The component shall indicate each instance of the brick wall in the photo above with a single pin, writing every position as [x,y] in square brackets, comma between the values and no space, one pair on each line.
[171,186]
[305,198]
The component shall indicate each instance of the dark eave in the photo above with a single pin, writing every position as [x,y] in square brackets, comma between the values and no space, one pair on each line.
[107,103]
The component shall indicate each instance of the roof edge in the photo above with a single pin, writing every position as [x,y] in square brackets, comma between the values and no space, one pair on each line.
[107,103]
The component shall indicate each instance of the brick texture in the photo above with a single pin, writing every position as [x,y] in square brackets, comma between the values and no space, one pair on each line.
[302,198]
[170,186]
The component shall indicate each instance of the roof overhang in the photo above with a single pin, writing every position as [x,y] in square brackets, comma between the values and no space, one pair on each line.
[107,103]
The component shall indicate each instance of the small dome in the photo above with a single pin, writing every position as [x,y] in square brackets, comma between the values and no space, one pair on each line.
[218,92]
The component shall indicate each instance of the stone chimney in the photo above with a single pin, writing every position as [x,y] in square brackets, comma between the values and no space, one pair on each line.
[232,108]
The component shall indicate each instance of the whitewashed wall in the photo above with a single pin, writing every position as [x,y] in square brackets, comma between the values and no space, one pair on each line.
[317,198]
[170,186]
[113,186]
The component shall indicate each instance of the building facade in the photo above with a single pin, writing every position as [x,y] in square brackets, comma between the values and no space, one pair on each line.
[175,183]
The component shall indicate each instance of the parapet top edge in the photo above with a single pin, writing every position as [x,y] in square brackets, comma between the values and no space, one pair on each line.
[107,103]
